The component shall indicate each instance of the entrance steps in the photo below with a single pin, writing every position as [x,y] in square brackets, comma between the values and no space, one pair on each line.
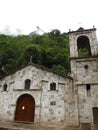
[30,126]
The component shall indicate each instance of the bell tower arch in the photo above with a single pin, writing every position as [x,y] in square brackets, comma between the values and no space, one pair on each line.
[83,41]
[83,46]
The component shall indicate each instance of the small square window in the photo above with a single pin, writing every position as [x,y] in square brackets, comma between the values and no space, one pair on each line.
[52,103]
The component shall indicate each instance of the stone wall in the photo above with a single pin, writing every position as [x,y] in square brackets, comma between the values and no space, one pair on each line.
[51,107]
[85,70]
[85,74]
[87,103]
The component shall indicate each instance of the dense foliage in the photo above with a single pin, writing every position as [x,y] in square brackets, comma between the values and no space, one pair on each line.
[50,50]
[83,52]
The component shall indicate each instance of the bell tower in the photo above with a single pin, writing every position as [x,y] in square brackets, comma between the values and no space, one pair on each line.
[84,70]
[83,40]
[83,47]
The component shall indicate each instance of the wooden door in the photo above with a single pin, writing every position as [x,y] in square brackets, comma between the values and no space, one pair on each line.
[86,126]
[95,115]
[25,108]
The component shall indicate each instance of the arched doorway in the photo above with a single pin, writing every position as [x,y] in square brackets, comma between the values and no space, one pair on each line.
[25,108]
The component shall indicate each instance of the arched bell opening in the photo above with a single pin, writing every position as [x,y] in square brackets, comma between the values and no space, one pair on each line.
[83,45]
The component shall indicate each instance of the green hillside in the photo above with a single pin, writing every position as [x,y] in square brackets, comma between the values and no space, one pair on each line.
[50,50]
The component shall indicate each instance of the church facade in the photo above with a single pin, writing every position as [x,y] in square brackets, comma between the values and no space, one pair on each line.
[38,95]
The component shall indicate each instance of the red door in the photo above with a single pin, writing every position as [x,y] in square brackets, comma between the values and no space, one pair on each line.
[25,108]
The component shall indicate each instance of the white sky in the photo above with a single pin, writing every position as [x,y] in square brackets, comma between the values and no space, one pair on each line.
[22,16]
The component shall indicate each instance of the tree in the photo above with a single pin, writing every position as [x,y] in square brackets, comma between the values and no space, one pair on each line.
[83,52]
[33,51]
[49,49]
[54,33]
[59,69]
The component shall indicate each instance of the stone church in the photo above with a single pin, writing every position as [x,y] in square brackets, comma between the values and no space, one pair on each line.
[36,94]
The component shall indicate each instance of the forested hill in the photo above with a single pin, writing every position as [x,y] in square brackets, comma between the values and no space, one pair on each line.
[50,50]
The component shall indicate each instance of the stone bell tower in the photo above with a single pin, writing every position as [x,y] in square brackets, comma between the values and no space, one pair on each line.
[83,39]
[83,49]
[84,70]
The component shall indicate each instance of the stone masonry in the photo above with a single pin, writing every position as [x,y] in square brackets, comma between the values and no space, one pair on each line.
[51,107]
[85,75]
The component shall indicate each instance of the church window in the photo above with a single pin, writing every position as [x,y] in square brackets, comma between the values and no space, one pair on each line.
[27,84]
[53,86]
[88,89]
[5,87]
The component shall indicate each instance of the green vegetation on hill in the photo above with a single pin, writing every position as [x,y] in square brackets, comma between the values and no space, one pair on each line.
[50,50]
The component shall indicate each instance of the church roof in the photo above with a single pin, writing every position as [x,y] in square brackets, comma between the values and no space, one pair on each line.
[43,68]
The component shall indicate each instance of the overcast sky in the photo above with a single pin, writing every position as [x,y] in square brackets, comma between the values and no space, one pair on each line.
[22,16]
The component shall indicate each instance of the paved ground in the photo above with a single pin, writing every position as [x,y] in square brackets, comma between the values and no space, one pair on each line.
[15,126]
[30,126]
[21,126]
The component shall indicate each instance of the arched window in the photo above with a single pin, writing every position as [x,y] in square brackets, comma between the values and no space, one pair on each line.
[5,87]
[83,45]
[27,84]
[53,86]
